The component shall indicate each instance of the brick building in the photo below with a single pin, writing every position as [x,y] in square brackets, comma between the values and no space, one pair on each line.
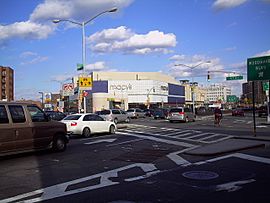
[6,84]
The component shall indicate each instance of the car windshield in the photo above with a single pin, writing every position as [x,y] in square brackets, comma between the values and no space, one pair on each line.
[176,110]
[105,112]
[72,117]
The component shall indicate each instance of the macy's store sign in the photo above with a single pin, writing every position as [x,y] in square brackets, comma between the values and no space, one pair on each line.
[120,87]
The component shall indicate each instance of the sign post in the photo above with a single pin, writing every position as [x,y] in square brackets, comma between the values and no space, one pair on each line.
[258,69]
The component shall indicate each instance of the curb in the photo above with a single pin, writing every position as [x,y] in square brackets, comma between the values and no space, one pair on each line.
[224,152]
[252,138]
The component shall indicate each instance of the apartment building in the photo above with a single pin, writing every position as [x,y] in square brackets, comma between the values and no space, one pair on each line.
[218,92]
[6,84]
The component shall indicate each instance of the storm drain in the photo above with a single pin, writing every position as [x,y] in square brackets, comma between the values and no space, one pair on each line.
[144,156]
[200,175]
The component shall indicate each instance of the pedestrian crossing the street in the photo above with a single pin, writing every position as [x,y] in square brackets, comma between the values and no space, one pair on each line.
[182,134]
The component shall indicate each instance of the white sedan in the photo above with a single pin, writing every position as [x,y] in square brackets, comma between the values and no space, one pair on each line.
[88,124]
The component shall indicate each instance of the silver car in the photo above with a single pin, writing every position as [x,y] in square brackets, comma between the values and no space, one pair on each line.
[115,115]
[136,113]
[181,114]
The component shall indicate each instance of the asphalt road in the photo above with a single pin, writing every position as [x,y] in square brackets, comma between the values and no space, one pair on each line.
[144,162]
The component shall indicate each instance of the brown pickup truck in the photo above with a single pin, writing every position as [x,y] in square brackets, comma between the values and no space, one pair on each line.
[25,127]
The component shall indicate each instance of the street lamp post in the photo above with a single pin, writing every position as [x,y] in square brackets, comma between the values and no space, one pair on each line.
[42,102]
[192,83]
[148,96]
[83,24]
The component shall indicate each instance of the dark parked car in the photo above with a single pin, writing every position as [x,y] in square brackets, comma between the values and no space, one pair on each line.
[55,115]
[262,111]
[238,112]
[148,112]
[160,113]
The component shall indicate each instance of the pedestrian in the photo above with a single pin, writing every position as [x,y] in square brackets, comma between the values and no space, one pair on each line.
[218,116]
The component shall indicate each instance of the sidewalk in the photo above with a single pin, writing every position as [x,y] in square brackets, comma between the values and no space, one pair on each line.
[227,146]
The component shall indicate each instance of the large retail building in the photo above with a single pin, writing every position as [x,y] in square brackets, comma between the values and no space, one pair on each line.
[134,89]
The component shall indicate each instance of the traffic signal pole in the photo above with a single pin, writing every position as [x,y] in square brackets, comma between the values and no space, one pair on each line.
[253,108]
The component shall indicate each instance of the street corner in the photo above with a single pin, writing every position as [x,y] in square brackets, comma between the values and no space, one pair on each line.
[226,146]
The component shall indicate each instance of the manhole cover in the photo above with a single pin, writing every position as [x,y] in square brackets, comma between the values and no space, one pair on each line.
[200,175]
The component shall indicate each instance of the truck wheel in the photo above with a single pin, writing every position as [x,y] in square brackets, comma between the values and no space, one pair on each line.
[59,144]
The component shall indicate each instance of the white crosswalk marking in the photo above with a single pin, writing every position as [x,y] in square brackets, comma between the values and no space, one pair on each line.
[180,134]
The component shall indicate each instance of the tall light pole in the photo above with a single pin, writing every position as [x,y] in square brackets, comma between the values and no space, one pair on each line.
[83,24]
[42,102]
[148,96]
[192,83]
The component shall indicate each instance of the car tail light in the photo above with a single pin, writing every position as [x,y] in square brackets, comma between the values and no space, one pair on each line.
[73,124]
[182,113]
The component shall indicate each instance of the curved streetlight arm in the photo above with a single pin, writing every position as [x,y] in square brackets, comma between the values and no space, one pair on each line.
[62,20]
[108,11]
[192,67]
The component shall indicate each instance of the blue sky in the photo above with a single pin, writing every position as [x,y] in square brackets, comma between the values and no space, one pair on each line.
[143,35]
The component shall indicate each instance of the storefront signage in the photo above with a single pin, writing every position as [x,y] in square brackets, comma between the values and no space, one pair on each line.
[121,87]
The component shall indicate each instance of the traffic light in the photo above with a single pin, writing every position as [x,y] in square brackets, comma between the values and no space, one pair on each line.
[208,76]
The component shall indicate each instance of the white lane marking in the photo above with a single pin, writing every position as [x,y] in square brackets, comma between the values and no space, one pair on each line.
[130,141]
[198,135]
[239,121]
[182,135]
[99,141]
[174,156]
[233,186]
[249,122]
[142,177]
[211,136]
[182,144]
[60,190]
[225,137]
[237,155]
[261,126]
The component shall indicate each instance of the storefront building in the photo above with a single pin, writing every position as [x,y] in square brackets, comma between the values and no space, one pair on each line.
[134,89]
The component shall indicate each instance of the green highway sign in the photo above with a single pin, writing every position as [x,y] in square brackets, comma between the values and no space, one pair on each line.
[232,98]
[258,68]
[238,77]
[265,86]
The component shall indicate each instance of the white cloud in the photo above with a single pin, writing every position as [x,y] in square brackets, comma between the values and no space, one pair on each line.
[122,39]
[186,70]
[27,94]
[99,66]
[62,78]
[114,34]
[80,10]
[178,57]
[51,9]
[225,4]
[39,25]
[27,54]
[32,58]
[26,29]
[265,53]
